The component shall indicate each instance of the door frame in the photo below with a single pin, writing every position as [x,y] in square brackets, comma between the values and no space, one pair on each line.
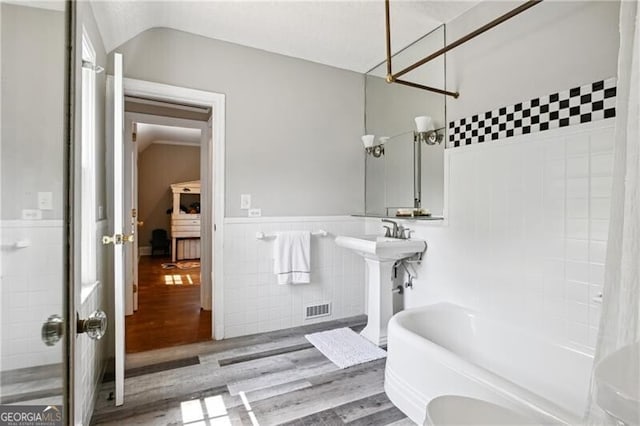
[216,156]
[131,118]
[69,219]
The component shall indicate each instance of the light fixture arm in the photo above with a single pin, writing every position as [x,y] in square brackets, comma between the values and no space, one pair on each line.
[376,150]
[430,137]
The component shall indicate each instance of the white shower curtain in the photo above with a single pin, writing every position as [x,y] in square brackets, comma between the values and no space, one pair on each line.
[620,321]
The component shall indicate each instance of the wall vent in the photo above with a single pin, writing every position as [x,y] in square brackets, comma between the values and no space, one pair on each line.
[315,311]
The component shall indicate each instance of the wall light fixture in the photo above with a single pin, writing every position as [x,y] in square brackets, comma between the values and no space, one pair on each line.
[426,132]
[375,150]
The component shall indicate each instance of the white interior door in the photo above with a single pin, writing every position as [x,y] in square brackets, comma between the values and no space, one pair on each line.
[206,217]
[118,223]
[135,222]
[129,217]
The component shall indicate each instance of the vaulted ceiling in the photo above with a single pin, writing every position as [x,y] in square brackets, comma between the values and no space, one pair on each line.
[347,34]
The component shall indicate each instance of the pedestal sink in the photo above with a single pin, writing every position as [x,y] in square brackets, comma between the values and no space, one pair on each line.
[380,254]
[617,384]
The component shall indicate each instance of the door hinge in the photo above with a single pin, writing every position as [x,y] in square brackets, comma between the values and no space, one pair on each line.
[134,132]
[117,239]
[135,288]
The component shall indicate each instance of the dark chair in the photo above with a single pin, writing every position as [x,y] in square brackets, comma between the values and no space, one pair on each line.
[159,241]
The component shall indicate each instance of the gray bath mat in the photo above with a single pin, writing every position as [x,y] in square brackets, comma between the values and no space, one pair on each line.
[344,347]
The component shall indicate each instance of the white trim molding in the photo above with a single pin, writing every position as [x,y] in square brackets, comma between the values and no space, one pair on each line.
[274,219]
[216,155]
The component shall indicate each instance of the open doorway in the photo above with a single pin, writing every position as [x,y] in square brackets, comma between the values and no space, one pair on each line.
[168,305]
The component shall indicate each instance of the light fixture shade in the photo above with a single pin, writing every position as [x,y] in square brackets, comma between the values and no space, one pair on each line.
[367,140]
[424,123]
[383,139]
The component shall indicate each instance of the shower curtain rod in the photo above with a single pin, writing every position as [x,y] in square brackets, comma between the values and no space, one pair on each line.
[393,78]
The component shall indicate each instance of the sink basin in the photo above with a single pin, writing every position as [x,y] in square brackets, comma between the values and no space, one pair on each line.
[381,248]
[617,384]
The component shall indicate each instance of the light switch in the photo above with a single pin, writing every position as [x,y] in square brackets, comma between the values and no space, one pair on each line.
[45,200]
[255,212]
[245,201]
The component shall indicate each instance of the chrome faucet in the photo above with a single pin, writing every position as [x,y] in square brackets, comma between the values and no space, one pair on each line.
[393,233]
[398,231]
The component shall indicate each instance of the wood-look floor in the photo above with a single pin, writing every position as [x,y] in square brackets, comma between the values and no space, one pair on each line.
[167,315]
[275,378]
[41,384]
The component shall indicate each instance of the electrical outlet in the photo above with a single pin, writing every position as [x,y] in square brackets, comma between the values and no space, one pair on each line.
[31,214]
[45,200]
[255,212]
[245,201]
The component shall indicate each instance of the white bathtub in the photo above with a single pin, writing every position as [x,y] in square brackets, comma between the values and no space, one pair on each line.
[445,349]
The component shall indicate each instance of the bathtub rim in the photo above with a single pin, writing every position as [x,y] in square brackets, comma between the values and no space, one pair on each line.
[470,312]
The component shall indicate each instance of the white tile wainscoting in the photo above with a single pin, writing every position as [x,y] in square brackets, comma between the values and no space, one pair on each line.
[255,303]
[31,290]
[525,231]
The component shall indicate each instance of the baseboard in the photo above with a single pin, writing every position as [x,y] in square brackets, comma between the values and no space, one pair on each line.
[144,250]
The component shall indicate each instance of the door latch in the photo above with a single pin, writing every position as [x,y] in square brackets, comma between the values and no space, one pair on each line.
[118,239]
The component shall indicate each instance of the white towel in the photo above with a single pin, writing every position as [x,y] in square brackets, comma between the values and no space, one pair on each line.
[291,255]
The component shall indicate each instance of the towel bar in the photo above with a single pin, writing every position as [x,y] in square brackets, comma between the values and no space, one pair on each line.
[263,236]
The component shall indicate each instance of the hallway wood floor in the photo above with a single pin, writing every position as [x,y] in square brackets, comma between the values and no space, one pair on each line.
[275,378]
[167,315]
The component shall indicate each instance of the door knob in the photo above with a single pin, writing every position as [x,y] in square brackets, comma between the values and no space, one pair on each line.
[95,326]
[52,330]
[117,239]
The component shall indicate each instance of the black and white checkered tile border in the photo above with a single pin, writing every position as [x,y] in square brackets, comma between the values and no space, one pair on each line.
[583,104]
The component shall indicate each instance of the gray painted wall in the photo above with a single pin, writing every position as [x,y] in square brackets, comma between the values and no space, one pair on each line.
[553,46]
[32,109]
[293,127]
[158,167]
[32,100]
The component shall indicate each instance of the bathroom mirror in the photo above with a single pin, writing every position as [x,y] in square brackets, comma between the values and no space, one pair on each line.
[390,110]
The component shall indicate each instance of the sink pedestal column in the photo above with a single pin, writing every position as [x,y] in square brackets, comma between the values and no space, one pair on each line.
[380,299]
